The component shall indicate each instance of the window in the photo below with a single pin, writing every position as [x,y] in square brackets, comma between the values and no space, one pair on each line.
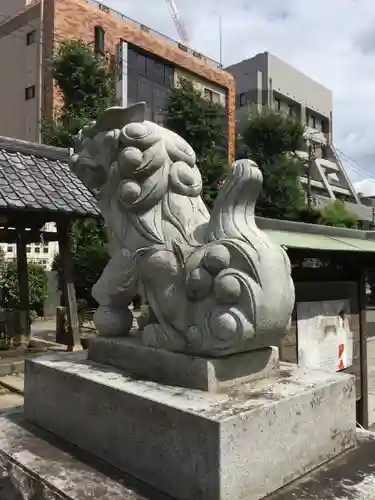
[313,122]
[31,37]
[10,249]
[30,92]
[211,96]
[242,100]
[277,104]
[290,107]
[37,249]
[169,74]
[45,249]
[155,71]
[28,249]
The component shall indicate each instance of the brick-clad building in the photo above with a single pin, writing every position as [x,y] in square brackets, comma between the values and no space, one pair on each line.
[151,61]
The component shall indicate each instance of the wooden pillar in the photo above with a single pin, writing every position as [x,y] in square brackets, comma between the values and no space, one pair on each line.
[23,286]
[69,295]
[363,403]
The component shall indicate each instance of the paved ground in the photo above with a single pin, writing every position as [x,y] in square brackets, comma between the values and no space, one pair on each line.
[9,400]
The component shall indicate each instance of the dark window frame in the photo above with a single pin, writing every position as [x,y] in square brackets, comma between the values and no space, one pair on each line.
[31,37]
[30,92]
[242,100]
[209,95]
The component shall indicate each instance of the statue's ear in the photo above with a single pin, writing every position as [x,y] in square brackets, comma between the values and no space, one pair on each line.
[117,117]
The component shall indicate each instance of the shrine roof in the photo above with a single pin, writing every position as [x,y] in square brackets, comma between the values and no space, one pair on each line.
[36,177]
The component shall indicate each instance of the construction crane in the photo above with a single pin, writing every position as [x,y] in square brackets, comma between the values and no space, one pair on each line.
[177,21]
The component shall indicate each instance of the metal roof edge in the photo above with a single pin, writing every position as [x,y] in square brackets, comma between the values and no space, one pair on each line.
[313,229]
[33,148]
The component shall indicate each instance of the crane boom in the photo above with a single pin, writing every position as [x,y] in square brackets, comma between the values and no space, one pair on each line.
[177,21]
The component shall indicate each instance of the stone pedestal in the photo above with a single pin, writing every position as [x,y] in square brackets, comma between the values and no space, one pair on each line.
[37,465]
[182,370]
[242,443]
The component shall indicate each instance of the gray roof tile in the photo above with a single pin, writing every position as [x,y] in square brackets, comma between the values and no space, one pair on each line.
[37,182]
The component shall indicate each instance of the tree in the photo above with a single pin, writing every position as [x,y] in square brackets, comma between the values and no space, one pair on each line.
[271,139]
[38,284]
[87,87]
[89,255]
[336,214]
[202,124]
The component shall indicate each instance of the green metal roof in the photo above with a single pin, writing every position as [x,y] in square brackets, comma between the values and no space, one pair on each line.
[291,239]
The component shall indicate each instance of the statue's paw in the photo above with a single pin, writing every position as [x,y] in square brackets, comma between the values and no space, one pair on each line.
[113,322]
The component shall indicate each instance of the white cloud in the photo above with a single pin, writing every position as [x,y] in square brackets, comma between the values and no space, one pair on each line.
[365,187]
[330,40]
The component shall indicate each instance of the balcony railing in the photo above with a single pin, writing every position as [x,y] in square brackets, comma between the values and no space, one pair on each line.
[142,27]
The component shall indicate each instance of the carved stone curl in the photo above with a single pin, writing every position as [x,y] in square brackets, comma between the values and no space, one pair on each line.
[215,285]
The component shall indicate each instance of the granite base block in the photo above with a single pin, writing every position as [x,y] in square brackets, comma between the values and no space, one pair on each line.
[244,443]
[183,370]
[36,465]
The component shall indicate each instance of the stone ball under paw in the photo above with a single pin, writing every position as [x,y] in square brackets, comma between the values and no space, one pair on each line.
[113,322]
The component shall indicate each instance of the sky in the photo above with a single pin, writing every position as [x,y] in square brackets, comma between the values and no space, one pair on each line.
[332,41]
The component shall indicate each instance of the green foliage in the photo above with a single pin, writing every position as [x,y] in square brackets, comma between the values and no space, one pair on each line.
[336,214]
[87,88]
[37,279]
[203,125]
[269,138]
[267,135]
[282,196]
[90,256]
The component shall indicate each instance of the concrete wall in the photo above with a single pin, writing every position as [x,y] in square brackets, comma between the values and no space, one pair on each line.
[290,82]
[201,84]
[11,7]
[268,74]
[18,116]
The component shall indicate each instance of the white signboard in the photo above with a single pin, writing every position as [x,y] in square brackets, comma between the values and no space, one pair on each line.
[325,339]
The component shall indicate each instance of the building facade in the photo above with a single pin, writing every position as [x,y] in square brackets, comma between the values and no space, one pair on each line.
[149,63]
[265,80]
[42,253]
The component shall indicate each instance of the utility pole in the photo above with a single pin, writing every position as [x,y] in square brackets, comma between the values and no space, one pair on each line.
[221,39]
[309,173]
[40,90]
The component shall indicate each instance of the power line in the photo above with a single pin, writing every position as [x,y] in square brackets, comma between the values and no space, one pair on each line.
[357,167]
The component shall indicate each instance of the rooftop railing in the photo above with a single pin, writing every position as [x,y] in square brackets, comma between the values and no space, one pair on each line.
[136,24]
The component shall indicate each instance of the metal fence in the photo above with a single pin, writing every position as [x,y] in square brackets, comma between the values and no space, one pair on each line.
[142,27]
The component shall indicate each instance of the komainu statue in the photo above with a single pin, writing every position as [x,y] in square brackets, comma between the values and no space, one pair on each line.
[215,284]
